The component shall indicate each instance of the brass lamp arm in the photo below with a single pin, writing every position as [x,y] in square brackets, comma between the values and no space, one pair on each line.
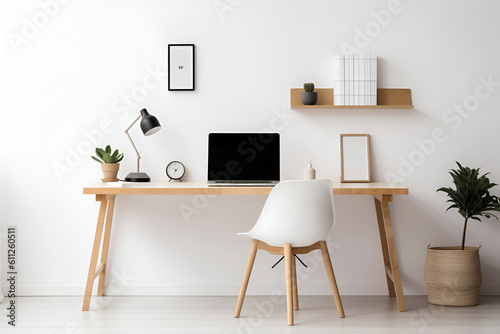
[133,145]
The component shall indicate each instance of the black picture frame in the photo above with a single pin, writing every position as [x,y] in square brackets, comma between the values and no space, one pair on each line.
[181,67]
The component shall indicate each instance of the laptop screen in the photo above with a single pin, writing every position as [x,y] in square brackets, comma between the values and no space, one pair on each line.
[243,157]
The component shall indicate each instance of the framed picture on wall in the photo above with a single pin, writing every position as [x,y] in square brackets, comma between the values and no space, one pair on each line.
[355,158]
[180,67]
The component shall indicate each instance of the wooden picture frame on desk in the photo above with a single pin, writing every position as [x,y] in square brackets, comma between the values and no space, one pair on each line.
[355,158]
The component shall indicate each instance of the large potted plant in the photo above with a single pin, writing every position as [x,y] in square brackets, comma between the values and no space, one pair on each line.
[453,274]
[109,163]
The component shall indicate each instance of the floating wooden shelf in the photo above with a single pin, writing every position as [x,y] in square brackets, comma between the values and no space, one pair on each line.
[387,98]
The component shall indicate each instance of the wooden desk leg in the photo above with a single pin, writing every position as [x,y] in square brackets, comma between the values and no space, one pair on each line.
[105,245]
[383,241]
[94,270]
[389,249]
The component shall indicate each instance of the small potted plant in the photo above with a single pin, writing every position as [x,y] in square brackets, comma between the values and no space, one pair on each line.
[453,274]
[109,163]
[309,97]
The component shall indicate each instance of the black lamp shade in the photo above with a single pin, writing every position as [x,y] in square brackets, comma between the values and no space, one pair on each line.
[149,124]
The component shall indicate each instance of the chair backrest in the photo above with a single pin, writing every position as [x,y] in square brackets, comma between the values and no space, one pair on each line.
[298,212]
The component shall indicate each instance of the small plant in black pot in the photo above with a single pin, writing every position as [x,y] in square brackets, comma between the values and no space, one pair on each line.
[309,97]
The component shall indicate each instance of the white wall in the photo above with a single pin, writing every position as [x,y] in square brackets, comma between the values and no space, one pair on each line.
[73,74]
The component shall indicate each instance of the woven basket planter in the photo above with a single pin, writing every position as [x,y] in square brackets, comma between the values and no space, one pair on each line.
[453,276]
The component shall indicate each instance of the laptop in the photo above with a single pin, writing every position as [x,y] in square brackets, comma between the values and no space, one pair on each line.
[243,159]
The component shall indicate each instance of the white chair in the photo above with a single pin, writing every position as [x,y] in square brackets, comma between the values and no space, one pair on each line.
[295,220]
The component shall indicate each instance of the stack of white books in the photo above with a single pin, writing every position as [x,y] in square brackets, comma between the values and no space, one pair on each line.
[355,80]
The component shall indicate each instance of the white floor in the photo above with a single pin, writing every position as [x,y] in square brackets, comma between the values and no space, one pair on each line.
[317,314]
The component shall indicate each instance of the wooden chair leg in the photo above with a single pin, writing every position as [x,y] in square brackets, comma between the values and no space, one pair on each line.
[246,277]
[289,285]
[331,277]
[294,285]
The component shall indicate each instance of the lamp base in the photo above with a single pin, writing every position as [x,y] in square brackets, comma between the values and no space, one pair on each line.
[137,177]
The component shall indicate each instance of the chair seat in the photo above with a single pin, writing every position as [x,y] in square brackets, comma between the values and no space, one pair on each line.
[277,243]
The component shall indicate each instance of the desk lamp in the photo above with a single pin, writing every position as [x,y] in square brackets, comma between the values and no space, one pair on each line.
[149,126]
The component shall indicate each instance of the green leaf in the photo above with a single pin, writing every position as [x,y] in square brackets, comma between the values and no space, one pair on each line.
[471,195]
[97,159]
[100,153]
[106,156]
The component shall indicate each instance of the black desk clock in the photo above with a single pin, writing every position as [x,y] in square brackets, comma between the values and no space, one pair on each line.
[175,170]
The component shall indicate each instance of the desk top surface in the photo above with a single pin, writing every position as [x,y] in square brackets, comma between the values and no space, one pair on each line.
[193,188]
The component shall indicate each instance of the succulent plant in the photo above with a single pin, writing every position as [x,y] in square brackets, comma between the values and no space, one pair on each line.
[309,87]
[105,156]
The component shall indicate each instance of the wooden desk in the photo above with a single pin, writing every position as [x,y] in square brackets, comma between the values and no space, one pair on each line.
[381,192]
